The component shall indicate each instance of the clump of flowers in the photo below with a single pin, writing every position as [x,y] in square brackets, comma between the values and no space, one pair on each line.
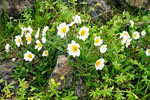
[27,32]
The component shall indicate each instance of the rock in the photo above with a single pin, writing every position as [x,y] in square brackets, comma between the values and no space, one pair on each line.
[99,10]
[14,7]
[6,71]
[62,68]
[79,90]
[138,3]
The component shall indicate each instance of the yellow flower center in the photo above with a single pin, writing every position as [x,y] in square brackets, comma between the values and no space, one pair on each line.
[19,40]
[97,40]
[98,63]
[134,35]
[83,32]
[64,29]
[29,38]
[126,34]
[74,48]
[149,51]
[39,44]
[29,56]
[46,53]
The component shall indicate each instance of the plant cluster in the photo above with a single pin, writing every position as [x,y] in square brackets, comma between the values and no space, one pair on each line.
[112,59]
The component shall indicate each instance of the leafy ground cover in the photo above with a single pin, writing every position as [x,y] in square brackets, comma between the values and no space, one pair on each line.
[112,58]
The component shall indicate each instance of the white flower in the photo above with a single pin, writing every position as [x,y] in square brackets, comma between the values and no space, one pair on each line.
[84,33]
[77,19]
[147,52]
[103,48]
[128,42]
[143,33]
[99,64]
[13,59]
[7,48]
[45,53]
[45,30]
[98,41]
[43,39]
[37,33]
[124,35]
[26,30]
[62,29]
[29,30]
[28,38]
[136,35]
[71,24]
[132,23]
[18,40]
[73,49]
[39,45]
[28,56]
[123,41]
[23,31]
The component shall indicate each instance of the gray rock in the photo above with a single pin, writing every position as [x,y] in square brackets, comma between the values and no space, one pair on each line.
[14,7]
[99,10]
[138,3]
[62,68]
[79,90]
[6,71]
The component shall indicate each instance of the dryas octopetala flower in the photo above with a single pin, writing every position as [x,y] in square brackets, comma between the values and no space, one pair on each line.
[7,48]
[143,33]
[45,30]
[43,39]
[18,40]
[26,30]
[136,35]
[37,33]
[39,45]
[23,31]
[29,30]
[132,23]
[62,29]
[98,41]
[128,42]
[73,49]
[13,59]
[28,56]
[103,48]
[45,53]
[124,35]
[71,24]
[147,52]
[28,38]
[99,64]
[77,19]
[84,33]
